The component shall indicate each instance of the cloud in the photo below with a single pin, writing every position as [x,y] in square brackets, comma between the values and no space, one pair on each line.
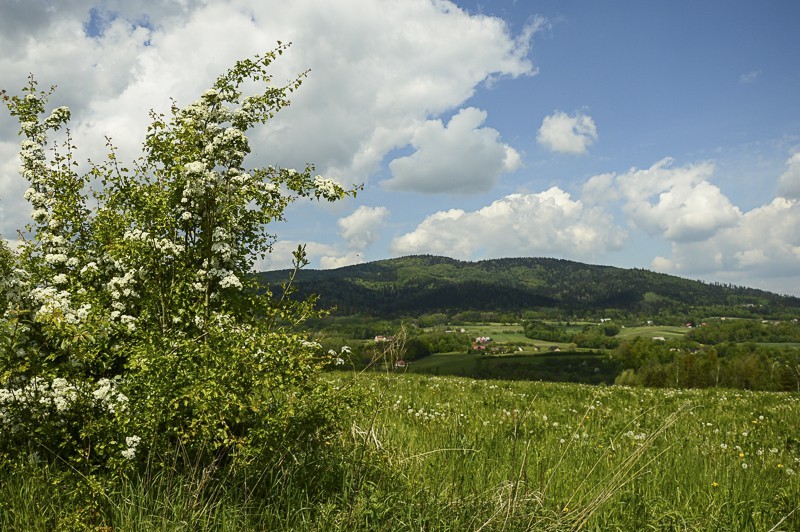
[563,133]
[359,230]
[362,228]
[348,259]
[378,70]
[789,182]
[546,223]
[679,204]
[763,244]
[460,157]
[282,254]
[749,77]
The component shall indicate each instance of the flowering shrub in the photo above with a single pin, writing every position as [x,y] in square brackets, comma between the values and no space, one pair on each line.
[131,322]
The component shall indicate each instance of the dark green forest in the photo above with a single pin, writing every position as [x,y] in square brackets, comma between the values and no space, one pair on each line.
[419,285]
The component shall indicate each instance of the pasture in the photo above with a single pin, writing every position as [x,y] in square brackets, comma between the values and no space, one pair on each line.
[498,455]
[448,453]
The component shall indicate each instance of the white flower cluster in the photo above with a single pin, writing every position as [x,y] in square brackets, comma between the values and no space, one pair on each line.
[221,246]
[55,304]
[327,188]
[58,394]
[167,248]
[229,145]
[120,289]
[132,442]
[226,278]
[57,118]
[340,358]
[16,288]
[230,281]
[107,395]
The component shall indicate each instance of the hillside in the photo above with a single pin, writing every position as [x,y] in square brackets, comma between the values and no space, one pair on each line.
[416,285]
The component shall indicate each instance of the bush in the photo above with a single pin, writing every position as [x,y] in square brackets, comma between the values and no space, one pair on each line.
[135,328]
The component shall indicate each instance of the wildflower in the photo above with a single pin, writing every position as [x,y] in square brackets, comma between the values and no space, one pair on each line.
[744,465]
[132,442]
[714,484]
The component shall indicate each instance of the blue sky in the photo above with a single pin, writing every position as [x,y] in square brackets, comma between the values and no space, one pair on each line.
[658,135]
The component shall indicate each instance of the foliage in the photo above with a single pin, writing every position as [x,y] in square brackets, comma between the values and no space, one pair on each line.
[740,330]
[682,363]
[548,332]
[132,325]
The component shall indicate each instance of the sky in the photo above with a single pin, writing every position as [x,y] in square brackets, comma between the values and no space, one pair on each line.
[656,135]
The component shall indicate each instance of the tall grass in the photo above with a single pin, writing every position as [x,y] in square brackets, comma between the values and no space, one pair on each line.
[563,456]
[436,453]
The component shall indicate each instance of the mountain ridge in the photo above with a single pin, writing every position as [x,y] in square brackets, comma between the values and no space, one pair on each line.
[419,284]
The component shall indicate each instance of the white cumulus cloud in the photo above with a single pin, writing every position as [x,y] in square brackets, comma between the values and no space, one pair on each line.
[281,257]
[461,157]
[789,182]
[546,223]
[378,70]
[563,133]
[679,204]
[762,246]
[362,228]
[338,261]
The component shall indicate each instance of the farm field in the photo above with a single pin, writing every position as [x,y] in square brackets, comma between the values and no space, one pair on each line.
[569,366]
[498,455]
[651,331]
[514,333]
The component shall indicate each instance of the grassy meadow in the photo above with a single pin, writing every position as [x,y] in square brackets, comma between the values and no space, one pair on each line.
[498,455]
[448,453]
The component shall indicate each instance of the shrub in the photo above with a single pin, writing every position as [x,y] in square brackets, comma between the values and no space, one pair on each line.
[132,325]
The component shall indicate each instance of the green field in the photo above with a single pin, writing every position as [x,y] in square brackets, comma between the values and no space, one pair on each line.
[497,455]
[514,333]
[651,331]
[567,366]
[449,453]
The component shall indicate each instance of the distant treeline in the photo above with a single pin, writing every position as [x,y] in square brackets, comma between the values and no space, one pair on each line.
[591,336]
[685,364]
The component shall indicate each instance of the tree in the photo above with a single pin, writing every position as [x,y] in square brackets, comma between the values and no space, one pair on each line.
[135,326]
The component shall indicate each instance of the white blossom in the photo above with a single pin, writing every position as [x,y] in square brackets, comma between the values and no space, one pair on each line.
[328,188]
[230,281]
[132,442]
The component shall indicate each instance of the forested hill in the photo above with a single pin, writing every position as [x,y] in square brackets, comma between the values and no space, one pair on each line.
[417,285]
